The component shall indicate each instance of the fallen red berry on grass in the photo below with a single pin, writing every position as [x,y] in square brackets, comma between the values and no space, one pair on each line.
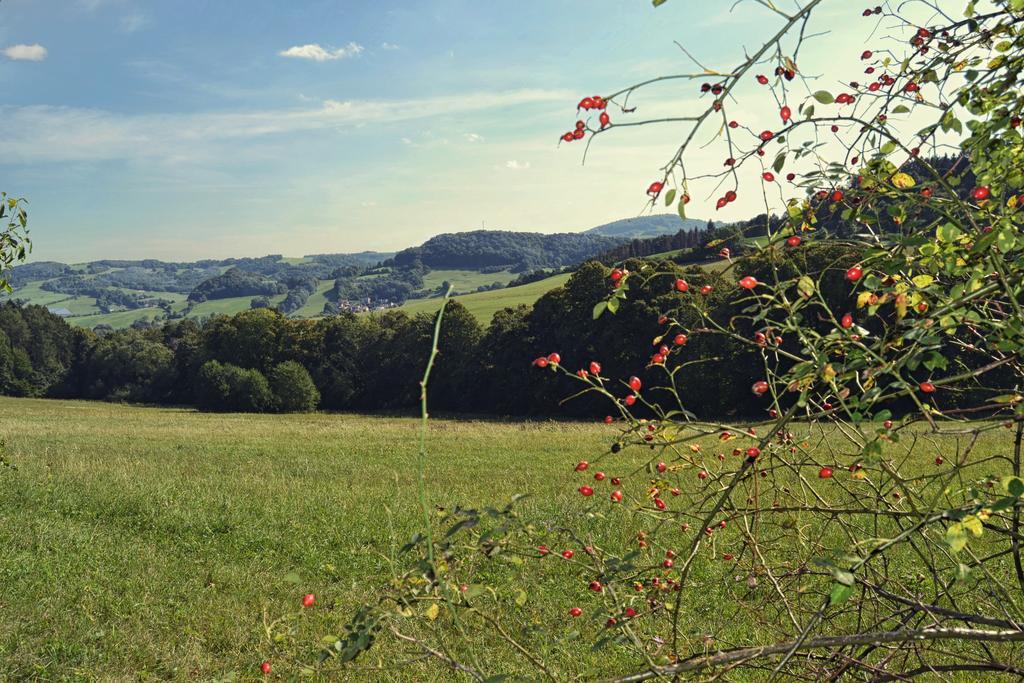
[608,419]
[586,491]
[753,452]
[596,586]
[265,667]
[599,476]
[567,554]
[825,473]
[582,465]
[616,496]
[702,474]
[308,599]
[575,612]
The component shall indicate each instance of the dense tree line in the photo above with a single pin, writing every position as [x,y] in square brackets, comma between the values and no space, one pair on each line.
[260,360]
[235,282]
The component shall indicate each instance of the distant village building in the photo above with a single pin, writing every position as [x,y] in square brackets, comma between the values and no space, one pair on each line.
[62,312]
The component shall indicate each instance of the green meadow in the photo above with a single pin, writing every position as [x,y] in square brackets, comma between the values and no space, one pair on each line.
[147,543]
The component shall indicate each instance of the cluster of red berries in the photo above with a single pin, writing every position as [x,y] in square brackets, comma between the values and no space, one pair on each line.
[545,361]
[727,198]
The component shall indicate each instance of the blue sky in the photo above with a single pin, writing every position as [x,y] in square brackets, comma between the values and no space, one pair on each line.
[193,129]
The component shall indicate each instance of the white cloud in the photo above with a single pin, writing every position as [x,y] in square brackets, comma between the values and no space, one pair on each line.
[318,54]
[25,53]
[41,133]
[517,165]
[473,137]
[389,46]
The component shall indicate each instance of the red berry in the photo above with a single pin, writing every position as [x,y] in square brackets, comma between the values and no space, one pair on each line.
[854,273]
[766,135]
[582,465]
[981,193]
[938,460]
[727,557]
[604,119]
[616,481]
[580,125]
[596,586]
[705,290]
[753,452]
[543,550]
[595,368]
[554,358]
[654,189]
[791,177]
[825,473]
[682,285]
[702,475]
[634,383]
[586,103]
[721,203]
[847,321]
[308,599]
[661,467]
[927,387]
[837,196]
[599,476]
[616,275]
[575,612]
[586,491]
[866,54]
[734,124]
[667,564]
[768,176]
[265,667]
[730,196]
[748,282]
[629,400]
[568,137]
[616,496]
[762,79]
[785,114]
[578,134]
[541,362]
[793,241]
[659,503]
[680,340]
[608,419]
[567,554]
[887,424]
[760,387]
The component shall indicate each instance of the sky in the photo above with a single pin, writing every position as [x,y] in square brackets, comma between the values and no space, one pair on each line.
[217,128]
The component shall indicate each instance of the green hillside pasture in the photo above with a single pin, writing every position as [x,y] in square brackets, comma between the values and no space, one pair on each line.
[314,305]
[147,543]
[485,304]
[465,281]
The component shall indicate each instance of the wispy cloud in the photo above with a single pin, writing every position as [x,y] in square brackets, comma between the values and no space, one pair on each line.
[317,53]
[517,165]
[130,23]
[473,137]
[43,133]
[25,53]
[389,46]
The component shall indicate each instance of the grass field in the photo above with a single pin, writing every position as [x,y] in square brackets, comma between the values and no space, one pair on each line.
[485,304]
[465,281]
[143,543]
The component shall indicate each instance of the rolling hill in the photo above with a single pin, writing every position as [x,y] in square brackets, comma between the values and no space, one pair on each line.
[479,265]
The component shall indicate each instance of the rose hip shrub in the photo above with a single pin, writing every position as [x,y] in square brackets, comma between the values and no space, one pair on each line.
[855,529]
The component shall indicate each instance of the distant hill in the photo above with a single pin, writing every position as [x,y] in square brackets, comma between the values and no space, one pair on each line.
[647,226]
[503,249]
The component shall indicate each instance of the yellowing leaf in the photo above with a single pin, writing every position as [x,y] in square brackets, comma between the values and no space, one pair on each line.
[973,524]
[432,612]
[863,299]
[904,181]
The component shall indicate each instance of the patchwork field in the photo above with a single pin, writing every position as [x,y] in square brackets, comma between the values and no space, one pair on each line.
[143,543]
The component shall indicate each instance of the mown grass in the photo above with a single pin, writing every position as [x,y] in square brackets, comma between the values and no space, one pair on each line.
[147,543]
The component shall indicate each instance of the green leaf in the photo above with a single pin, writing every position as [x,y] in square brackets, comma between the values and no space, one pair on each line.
[682,209]
[805,285]
[888,148]
[521,598]
[613,305]
[947,233]
[670,197]
[824,97]
[599,309]
[840,594]
[656,3]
